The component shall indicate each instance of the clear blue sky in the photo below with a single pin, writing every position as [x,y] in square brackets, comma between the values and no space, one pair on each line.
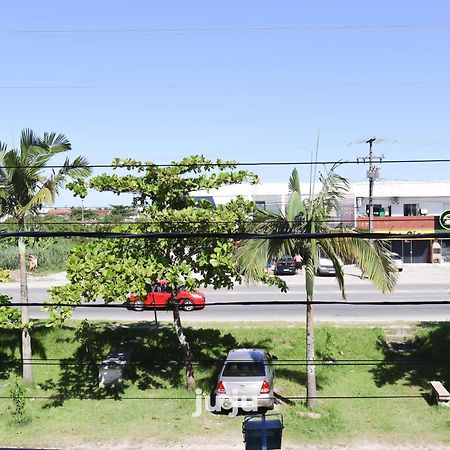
[247,80]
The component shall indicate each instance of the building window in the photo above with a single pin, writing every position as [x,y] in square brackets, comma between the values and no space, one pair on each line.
[410,209]
[260,204]
[378,210]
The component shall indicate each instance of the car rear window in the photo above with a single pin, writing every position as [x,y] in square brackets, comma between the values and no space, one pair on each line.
[244,369]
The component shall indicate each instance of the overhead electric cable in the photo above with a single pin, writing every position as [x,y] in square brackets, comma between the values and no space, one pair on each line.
[234,303]
[214,235]
[237,164]
[229,30]
[56,397]
[262,85]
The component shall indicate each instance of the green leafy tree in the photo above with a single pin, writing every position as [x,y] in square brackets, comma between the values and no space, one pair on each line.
[82,214]
[111,268]
[314,216]
[26,186]
[9,317]
[121,213]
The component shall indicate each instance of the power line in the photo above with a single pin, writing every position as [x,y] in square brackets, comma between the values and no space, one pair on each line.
[214,235]
[170,307]
[237,164]
[288,363]
[228,30]
[177,86]
[390,219]
[297,397]
[228,86]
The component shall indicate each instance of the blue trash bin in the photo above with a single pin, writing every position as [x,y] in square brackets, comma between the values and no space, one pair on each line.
[253,430]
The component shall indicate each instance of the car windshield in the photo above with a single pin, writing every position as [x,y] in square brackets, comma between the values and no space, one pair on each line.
[244,369]
[285,259]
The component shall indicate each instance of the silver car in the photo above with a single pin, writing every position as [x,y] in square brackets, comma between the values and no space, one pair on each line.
[398,262]
[246,380]
[324,265]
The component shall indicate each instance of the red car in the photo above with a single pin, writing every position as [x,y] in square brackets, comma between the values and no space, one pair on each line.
[160,293]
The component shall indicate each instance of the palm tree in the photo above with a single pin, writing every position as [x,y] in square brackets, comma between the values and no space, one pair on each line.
[24,189]
[314,216]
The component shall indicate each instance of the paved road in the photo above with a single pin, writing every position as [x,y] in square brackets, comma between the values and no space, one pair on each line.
[418,282]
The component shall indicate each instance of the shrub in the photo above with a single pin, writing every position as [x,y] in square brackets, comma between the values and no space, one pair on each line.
[17,409]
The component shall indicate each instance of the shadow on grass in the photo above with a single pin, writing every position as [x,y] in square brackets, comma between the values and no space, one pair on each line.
[11,349]
[418,361]
[157,360]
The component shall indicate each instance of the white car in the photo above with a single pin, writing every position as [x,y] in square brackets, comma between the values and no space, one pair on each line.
[398,262]
[324,265]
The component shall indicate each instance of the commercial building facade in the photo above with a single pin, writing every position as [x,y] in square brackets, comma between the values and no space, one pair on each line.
[399,207]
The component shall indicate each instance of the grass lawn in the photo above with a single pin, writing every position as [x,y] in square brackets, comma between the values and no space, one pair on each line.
[154,403]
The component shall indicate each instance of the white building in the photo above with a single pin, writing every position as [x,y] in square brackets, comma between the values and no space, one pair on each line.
[401,207]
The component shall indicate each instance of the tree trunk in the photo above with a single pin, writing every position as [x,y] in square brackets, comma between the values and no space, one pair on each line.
[26,338]
[311,387]
[190,380]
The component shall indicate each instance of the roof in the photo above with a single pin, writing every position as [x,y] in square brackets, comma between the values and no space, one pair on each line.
[246,354]
[391,188]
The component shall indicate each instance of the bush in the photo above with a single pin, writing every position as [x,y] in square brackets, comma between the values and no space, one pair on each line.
[4,275]
[51,256]
[17,409]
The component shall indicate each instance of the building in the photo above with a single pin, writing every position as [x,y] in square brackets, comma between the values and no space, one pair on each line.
[407,207]
[400,207]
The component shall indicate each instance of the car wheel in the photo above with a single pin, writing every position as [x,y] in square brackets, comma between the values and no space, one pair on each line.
[138,305]
[188,305]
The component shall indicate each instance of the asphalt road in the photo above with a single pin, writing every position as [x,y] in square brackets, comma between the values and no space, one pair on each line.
[418,282]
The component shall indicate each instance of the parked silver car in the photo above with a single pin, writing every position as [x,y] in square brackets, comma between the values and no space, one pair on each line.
[246,380]
[324,265]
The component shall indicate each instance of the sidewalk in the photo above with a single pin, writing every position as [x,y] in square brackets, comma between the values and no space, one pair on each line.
[52,279]
[412,273]
[202,444]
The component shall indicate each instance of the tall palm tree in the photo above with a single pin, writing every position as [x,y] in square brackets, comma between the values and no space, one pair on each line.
[25,187]
[314,216]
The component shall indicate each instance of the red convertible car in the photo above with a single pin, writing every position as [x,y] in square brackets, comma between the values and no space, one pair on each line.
[160,293]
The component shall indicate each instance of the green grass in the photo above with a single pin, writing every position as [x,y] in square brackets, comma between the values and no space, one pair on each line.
[159,378]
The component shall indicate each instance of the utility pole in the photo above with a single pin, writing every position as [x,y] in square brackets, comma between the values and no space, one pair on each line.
[372,174]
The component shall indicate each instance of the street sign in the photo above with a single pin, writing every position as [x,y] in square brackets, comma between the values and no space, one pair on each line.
[444,220]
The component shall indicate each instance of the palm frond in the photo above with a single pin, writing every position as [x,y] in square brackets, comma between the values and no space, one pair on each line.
[252,257]
[294,182]
[56,143]
[28,139]
[327,247]
[334,188]
[44,196]
[295,209]
[254,254]
[371,256]
[22,172]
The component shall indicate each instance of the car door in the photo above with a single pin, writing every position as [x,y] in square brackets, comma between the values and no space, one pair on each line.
[160,295]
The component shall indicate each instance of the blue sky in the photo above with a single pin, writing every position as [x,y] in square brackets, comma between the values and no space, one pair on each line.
[246,80]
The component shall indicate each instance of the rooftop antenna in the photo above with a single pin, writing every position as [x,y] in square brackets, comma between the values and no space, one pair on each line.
[312,179]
